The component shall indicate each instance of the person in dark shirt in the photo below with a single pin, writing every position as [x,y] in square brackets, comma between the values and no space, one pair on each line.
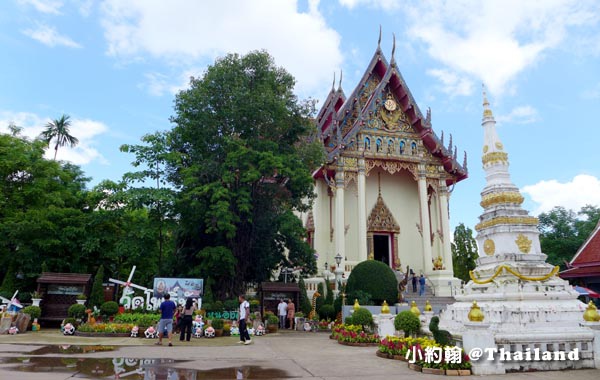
[167,310]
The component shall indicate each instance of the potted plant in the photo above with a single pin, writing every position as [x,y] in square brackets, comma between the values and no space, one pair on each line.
[81,298]
[272,323]
[36,298]
[109,309]
[218,324]
[299,321]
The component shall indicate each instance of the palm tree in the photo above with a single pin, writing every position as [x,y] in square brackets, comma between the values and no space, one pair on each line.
[59,129]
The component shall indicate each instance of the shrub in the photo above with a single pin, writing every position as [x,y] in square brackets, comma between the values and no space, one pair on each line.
[76,311]
[327,312]
[442,337]
[217,324]
[374,278]
[320,300]
[33,311]
[139,319]
[407,322]
[272,320]
[363,298]
[362,317]
[109,308]
[305,305]
[72,321]
[348,320]
[231,304]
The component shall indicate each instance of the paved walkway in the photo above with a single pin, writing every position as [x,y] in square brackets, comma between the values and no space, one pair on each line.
[284,355]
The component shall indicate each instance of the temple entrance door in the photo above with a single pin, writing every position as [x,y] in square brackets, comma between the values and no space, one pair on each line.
[381,245]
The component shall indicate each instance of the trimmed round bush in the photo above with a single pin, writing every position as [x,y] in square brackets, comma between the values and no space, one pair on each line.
[327,312]
[375,278]
[407,322]
[362,317]
[33,311]
[76,311]
[109,308]
[348,320]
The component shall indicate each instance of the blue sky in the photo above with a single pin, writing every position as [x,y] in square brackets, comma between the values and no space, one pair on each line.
[115,67]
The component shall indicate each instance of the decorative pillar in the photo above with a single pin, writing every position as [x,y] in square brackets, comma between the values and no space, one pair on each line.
[362,211]
[340,228]
[422,183]
[446,247]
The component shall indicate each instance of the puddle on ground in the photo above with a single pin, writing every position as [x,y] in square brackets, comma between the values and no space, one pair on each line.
[71,349]
[135,369]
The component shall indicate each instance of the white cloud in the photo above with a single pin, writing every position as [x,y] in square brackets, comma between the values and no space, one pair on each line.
[520,115]
[50,37]
[592,93]
[44,6]
[495,40]
[158,84]
[452,83]
[387,5]
[582,190]
[85,130]
[186,34]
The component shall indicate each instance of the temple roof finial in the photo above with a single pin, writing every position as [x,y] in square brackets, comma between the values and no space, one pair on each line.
[379,40]
[379,182]
[333,83]
[341,76]
[393,60]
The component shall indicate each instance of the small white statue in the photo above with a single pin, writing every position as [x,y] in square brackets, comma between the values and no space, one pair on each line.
[69,329]
[134,331]
[150,333]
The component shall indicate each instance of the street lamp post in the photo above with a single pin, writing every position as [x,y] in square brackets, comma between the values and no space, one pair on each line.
[338,273]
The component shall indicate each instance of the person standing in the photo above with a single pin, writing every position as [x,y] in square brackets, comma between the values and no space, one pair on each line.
[187,320]
[167,310]
[414,282]
[421,285]
[282,313]
[244,314]
[291,313]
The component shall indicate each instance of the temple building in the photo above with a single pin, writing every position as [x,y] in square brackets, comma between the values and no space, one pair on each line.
[383,193]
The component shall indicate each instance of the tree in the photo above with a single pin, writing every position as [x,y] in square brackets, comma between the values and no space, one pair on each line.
[239,169]
[375,278]
[464,252]
[563,231]
[97,293]
[58,130]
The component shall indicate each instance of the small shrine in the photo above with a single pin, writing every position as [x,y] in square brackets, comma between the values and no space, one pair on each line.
[60,291]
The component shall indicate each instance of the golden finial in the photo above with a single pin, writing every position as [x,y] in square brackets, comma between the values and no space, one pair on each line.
[591,313]
[414,309]
[356,305]
[487,112]
[385,309]
[475,314]
[428,306]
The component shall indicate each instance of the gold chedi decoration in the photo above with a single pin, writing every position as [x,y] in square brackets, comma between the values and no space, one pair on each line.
[356,305]
[591,313]
[524,243]
[501,197]
[475,314]
[428,306]
[514,272]
[414,309]
[385,309]
[489,247]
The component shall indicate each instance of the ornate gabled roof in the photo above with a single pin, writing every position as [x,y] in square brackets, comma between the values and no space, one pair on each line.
[380,82]
[381,218]
[589,252]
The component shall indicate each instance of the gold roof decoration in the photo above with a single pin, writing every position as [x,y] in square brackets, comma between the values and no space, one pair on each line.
[385,309]
[381,218]
[428,307]
[591,313]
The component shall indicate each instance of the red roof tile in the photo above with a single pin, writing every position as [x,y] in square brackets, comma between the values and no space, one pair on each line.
[589,252]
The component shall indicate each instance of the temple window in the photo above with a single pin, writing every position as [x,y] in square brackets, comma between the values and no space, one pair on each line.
[413,148]
[379,147]
[367,143]
[402,144]
[390,147]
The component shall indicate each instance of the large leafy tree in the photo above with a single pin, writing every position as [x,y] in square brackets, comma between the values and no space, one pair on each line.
[58,130]
[563,231]
[464,252]
[242,169]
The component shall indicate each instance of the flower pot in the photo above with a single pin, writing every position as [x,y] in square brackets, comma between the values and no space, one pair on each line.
[464,372]
[272,328]
[414,367]
[81,302]
[433,371]
[452,372]
[36,301]
[218,332]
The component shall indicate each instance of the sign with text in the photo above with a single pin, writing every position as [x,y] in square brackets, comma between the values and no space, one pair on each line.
[178,288]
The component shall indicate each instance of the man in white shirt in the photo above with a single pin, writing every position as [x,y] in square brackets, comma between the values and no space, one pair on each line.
[282,313]
[244,313]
